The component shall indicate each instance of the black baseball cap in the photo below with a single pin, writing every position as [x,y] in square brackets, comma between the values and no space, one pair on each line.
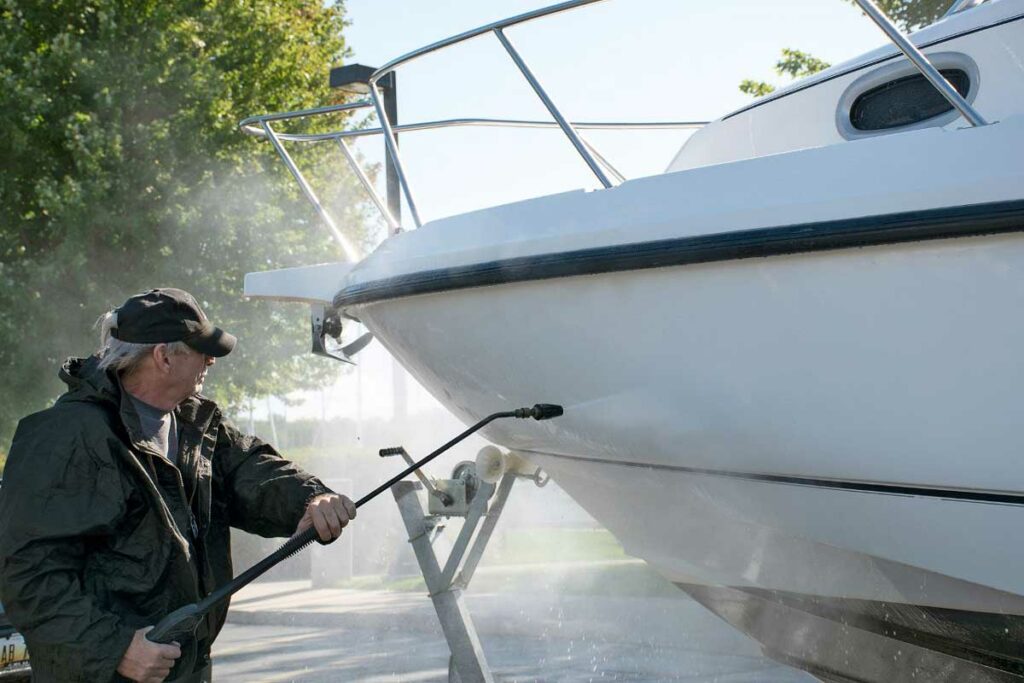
[166,315]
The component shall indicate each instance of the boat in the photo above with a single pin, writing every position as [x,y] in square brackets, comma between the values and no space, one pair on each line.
[788,364]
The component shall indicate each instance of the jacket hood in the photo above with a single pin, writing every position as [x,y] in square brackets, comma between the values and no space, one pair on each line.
[86,380]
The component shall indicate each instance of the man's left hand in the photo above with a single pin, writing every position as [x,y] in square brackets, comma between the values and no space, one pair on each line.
[329,513]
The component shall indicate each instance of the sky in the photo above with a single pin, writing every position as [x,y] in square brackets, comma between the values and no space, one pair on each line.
[622,60]
[619,60]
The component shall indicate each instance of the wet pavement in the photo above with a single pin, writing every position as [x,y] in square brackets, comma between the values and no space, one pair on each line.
[288,632]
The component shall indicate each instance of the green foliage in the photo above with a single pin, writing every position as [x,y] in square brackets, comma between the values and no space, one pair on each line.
[792,63]
[124,169]
[756,88]
[797,64]
[911,15]
[907,14]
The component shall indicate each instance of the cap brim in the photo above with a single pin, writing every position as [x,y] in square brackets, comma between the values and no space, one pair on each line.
[212,342]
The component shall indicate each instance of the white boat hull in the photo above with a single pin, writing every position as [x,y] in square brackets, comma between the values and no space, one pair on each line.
[890,365]
[839,426]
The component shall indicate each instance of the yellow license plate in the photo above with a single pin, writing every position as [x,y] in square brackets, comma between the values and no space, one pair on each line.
[13,654]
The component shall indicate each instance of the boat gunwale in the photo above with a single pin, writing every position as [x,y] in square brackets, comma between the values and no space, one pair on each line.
[969,220]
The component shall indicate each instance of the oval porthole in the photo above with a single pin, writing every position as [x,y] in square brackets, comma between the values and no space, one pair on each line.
[904,102]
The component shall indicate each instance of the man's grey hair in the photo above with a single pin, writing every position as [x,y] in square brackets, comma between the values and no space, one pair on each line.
[121,356]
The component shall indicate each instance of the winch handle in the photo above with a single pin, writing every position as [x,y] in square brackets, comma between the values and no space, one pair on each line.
[184,620]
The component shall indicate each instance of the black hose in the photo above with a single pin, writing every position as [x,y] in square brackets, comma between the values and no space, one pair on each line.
[183,621]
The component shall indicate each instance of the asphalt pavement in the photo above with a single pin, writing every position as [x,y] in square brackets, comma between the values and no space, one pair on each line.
[287,631]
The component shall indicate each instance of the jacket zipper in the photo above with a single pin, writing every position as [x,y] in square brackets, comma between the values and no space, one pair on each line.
[134,447]
[190,544]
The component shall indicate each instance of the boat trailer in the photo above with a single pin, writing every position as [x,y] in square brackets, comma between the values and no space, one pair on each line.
[476,492]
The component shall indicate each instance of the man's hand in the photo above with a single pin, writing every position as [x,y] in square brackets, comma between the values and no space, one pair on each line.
[147,662]
[329,513]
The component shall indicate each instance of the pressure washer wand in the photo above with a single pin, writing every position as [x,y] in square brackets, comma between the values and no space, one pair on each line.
[183,621]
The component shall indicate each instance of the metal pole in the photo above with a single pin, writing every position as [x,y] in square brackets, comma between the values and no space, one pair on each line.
[921,62]
[491,521]
[456,622]
[353,163]
[607,164]
[477,509]
[392,147]
[506,123]
[350,253]
[566,127]
[481,30]
[394,190]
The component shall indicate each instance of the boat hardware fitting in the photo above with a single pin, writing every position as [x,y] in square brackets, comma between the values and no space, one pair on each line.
[492,464]
[325,322]
[184,620]
[463,487]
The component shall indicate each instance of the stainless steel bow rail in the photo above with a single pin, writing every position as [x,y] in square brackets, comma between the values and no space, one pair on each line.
[259,126]
[601,168]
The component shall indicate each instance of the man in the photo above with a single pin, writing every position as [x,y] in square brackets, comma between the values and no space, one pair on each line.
[117,501]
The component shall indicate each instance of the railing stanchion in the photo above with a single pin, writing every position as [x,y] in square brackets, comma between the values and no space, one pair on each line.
[604,162]
[350,252]
[392,147]
[926,68]
[566,127]
[367,185]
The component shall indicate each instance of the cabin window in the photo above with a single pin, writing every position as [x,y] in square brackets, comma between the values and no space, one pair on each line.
[904,102]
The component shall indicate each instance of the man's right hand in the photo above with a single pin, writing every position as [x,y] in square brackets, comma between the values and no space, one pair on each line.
[147,662]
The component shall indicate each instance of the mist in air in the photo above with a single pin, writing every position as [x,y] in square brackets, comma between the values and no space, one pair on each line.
[556,597]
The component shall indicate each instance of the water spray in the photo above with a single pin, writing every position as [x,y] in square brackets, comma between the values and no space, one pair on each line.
[183,621]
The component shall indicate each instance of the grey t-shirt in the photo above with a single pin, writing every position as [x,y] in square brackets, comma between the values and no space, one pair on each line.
[159,428]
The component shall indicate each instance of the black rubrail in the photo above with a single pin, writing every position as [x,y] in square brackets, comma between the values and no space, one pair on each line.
[863,231]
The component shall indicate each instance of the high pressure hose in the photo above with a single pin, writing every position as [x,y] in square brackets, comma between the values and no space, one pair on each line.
[183,621]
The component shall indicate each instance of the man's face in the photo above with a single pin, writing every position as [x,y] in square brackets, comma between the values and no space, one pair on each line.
[187,372]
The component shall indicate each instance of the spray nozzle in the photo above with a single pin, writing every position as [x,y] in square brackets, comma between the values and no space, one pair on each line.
[541,411]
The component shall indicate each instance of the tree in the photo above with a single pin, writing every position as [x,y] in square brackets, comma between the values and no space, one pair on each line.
[911,15]
[907,14]
[124,169]
[793,63]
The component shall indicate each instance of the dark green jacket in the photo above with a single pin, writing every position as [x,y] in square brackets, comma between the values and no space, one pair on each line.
[100,536]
